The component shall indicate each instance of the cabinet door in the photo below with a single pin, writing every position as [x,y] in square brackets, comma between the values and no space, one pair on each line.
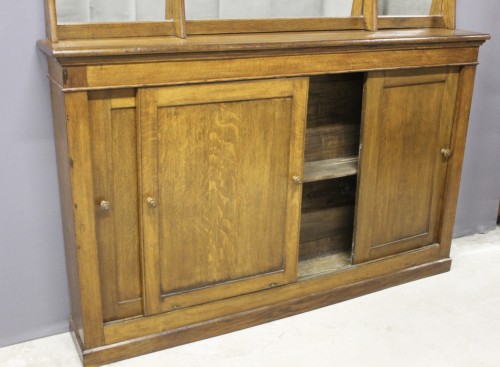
[407,122]
[220,208]
[113,143]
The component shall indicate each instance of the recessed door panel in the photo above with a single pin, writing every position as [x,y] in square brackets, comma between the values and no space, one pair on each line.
[407,121]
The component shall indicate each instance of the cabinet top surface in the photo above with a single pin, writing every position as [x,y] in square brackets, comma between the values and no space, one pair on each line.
[254,42]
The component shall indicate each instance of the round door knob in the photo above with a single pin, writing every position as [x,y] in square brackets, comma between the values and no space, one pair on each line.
[152,203]
[105,206]
[446,152]
[297,180]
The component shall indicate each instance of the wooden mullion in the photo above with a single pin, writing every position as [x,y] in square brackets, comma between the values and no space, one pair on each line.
[176,11]
[449,10]
[370,12]
[436,7]
[51,20]
[357,8]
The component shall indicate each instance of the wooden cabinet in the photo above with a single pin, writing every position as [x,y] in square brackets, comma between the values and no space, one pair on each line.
[223,181]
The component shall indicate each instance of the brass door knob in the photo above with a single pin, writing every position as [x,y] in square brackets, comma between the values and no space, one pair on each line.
[152,203]
[105,206]
[446,152]
[297,180]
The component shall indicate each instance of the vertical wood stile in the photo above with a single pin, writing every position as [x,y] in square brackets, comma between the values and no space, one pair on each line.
[357,8]
[175,10]
[370,13]
[461,123]
[84,216]
[436,7]
[449,9]
[51,20]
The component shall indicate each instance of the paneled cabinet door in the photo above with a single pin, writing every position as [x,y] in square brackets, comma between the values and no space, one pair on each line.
[113,145]
[406,136]
[220,209]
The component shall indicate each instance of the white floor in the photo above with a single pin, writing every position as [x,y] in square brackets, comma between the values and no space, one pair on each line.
[451,320]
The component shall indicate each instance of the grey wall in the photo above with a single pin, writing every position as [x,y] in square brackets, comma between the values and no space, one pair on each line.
[480,186]
[33,289]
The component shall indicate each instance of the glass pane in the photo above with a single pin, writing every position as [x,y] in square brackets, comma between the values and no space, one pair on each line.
[259,9]
[406,7]
[95,11]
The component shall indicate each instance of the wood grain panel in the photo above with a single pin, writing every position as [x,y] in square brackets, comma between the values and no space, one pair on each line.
[329,193]
[175,72]
[114,153]
[402,170]
[137,328]
[326,223]
[80,161]
[224,156]
[272,25]
[335,99]
[461,123]
[115,30]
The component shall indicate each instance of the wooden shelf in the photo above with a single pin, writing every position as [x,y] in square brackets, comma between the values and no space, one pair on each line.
[330,168]
[324,264]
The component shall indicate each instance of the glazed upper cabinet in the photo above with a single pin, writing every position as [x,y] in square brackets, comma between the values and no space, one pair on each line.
[407,126]
[220,208]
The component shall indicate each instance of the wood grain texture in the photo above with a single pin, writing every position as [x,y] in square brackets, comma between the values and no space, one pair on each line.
[357,8]
[51,20]
[325,223]
[408,120]
[265,314]
[457,145]
[84,31]
[329,193]
[195,27]
[423,21]
[324,264]
[176,72]
[82,200]
[436,7]
[338,244]
[137,47]
[221,247]
[141,327]
[222,160]
[114,162]
[335,99]
[370,12]
[330,168]
[66,201]
[363,16]
[450,13]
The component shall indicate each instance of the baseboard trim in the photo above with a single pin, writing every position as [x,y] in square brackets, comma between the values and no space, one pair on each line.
[172,338]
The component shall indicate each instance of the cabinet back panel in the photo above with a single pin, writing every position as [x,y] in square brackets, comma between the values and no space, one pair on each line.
[333,116]
[335,99]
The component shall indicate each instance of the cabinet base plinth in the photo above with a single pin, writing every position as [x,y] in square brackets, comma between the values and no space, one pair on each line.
[171,338]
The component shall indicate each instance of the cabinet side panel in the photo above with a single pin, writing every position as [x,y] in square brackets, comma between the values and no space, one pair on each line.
[84,216]
[63,171]
[454,173]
